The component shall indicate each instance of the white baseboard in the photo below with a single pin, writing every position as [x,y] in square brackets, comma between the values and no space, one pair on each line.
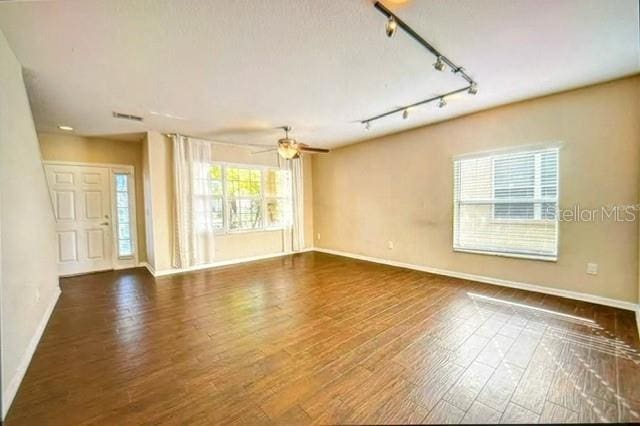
[10,392]
[165,272]
[585,297]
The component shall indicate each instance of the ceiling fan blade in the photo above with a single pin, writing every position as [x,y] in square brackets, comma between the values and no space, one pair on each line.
[310,149]
[264,150]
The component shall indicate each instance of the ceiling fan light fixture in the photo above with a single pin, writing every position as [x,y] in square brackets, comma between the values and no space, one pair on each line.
[287,149]
[391,27]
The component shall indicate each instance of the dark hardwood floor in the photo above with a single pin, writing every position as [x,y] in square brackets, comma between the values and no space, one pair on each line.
[315,338]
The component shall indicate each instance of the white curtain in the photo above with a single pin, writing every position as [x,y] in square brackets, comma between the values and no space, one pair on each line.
[193,241]
[296,242]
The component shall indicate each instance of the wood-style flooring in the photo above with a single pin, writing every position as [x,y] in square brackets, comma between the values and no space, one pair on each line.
[316,338]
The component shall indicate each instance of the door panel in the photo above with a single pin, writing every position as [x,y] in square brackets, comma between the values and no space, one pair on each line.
[91,178]
[82,206]
[64,178]
[67,246]
[95,244]
[65,205]
[93,204]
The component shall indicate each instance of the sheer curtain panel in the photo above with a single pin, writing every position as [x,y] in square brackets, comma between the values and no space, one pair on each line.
[195,198]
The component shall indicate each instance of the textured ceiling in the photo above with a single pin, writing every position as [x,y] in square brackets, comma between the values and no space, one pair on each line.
[223,69]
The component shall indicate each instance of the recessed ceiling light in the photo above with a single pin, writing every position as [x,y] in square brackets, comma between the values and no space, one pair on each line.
[67,128]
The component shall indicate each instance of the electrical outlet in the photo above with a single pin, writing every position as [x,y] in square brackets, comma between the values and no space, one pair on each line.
[592,268]
[390,245]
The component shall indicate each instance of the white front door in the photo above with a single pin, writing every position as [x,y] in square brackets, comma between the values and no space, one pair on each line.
[81,198]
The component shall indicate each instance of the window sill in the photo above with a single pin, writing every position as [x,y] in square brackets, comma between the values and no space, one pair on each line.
[249,231]
[512,255]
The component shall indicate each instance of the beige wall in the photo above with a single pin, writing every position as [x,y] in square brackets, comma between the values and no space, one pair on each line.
[147,211]
[400,188]
[158,172]
[58,147]
[28,269]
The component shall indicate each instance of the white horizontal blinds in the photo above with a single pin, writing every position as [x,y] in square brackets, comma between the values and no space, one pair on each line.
[507,203]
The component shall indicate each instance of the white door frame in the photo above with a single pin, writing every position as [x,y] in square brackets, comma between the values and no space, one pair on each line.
[117,261]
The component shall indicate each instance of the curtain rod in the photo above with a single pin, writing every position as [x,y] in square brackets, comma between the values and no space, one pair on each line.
[238,144]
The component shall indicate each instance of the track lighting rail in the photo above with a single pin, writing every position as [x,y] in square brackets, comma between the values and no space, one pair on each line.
[417,37]
[407,107]
[471,86]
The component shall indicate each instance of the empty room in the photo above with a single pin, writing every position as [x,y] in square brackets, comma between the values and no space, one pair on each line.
[326,212]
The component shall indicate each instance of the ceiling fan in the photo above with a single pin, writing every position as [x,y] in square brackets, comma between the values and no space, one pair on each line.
[288,148]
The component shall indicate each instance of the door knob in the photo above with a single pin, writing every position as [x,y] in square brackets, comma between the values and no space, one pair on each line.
[104,223]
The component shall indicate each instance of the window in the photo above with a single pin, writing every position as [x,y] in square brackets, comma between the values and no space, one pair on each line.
[525,176]
[244,198]
[208,202]
[123,216]
[277,194]
[235,198]
[513,178]
[506,204]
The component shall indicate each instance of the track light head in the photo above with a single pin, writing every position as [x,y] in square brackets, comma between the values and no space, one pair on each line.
[405,114]
[442,103]
[473,89]
[367,125]
[439,65]
[391,27]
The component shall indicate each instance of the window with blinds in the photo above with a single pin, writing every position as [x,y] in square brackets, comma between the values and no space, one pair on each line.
[507,204]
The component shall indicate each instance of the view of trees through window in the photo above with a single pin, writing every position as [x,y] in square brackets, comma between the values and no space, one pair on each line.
[241,198]
[244,196]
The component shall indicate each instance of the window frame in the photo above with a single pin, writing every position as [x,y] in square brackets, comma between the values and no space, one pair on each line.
[538,149]
[121,262]
[116,217]
[263,198]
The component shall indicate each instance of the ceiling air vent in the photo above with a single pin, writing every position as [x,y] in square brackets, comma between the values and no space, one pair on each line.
[126,116]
